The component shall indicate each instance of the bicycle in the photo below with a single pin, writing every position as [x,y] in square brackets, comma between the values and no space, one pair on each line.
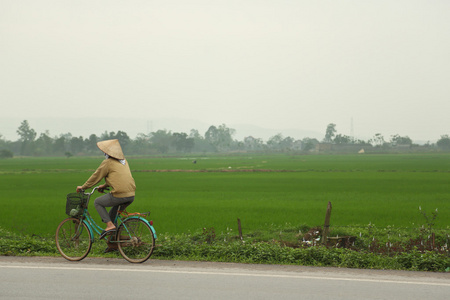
[135,235]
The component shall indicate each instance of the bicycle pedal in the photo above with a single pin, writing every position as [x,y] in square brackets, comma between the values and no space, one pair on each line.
[105,233]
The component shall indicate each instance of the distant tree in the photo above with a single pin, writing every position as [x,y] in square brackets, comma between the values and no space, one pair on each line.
[44,144]
[182,142]
[91,143]
[200,143]
[275,142]
[123,138]
[195,134]
[280,143]
[4,144]
[444,142]
[77,144]
[309,144]
[400,140]
[220,137]
[25,132]
[59,145]
[287,143]
[66,136]
[141,145]
[342,139]
[161,140]
[329,133]
[6,154]
[27,136]
[106,136]
[360,142]
[378,140]
[212,135]
[251,143]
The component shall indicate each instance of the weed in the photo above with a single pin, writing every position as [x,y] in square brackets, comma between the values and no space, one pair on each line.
[430,220]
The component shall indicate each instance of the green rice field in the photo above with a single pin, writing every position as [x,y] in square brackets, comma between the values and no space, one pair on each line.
[260,190]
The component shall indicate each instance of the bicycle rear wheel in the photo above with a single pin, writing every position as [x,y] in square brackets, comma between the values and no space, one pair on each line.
[135,240]
[73,239]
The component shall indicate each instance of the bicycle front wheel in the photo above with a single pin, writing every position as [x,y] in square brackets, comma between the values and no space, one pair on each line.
[73,239]
[135,240]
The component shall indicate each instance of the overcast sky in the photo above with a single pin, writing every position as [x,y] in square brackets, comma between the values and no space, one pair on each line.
[383,66]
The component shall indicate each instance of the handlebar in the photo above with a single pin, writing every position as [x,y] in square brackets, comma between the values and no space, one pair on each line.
[93,190]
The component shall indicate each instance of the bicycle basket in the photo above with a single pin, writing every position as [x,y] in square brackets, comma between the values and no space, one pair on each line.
[75,204]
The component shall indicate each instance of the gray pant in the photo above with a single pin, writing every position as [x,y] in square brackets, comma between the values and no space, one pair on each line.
[109,200]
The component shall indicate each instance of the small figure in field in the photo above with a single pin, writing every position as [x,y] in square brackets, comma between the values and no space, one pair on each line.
[116,172]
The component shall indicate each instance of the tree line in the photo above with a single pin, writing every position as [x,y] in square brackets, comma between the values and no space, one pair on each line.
[217,139]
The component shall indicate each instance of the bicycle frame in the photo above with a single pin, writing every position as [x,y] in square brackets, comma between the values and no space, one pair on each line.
[87,219]
[91,224]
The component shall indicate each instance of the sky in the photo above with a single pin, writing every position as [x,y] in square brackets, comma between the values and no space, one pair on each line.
[287,66]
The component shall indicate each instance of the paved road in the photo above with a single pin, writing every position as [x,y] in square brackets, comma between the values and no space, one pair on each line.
[99,278]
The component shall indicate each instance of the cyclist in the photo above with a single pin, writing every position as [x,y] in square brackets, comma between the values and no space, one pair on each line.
[116,172]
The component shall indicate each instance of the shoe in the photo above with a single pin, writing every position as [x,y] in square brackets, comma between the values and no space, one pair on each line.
[105,233]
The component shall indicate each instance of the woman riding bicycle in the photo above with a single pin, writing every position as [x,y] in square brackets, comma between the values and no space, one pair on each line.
[116,172]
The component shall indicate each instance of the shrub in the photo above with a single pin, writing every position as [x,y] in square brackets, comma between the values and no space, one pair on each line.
[6,154]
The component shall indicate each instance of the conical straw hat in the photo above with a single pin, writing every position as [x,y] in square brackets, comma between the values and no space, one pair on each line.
[112,148]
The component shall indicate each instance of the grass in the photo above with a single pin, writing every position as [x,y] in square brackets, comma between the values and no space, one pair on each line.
[195,207]
[385,190]
[268,247]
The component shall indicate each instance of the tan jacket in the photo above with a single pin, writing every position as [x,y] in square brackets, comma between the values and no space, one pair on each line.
[116,175]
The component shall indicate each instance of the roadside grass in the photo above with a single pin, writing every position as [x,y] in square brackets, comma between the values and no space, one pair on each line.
[278,245]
